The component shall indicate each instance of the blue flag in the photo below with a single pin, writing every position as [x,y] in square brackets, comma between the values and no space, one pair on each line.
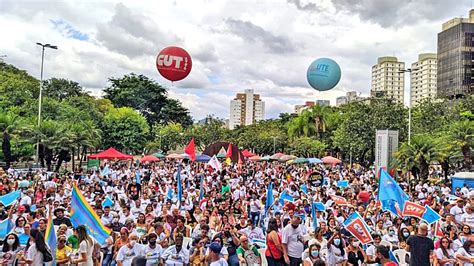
[285,196]
[313,216]
[201,188]
[5,227]
[319,206]
[23,239]
[107,202]
[389,205]
[343,183]
[392,257]
[304,189]
[390,190]
[106,171]
[170,194]
[180,186]
[269,201]
[10,198]
[430,215]
[138,177]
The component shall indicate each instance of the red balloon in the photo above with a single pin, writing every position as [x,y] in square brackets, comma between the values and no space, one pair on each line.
[174,63]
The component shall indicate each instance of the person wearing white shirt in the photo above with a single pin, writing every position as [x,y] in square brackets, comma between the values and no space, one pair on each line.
[153,251]
[129,251]
[176,254]
[253,232]
[466,253]
[445,254]
[457,211]
[467,218]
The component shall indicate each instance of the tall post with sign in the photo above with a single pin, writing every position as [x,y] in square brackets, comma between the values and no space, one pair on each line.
[386,144]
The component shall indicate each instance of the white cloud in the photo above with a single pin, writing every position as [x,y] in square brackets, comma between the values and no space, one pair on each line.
[264,45]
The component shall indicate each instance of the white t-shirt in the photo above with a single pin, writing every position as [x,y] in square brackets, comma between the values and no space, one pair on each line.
[126,254]
[34,255]
[88,248]
[463,252]
[290,237]
[440,255]
[173,258]
[153,255]
[468,219]
[220,262]
[457,212]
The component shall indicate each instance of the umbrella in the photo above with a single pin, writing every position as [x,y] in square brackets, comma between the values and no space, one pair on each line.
[159,155]
[204,158]
[300,160]
[174,156]
[255,158]
[277,156]
[314,160]
[331,160]
[149,158]
[247,153]
[285,158]
[265,158]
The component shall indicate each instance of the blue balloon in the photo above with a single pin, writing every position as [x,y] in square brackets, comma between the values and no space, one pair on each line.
[323,74]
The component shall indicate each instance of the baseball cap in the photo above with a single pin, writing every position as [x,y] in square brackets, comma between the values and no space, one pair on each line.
[215,247]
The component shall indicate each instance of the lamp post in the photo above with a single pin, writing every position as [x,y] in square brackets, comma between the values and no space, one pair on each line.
[43,46]
[409,70]
[274,144]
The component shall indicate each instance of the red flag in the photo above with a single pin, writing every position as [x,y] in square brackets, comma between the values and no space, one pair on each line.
[359,230]
[412,209]
[189,150]
[229,151]
[438,232]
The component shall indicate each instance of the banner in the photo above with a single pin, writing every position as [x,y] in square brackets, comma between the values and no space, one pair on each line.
[93,163]
[412,209]
[430,215]
[358,228]
[339,200]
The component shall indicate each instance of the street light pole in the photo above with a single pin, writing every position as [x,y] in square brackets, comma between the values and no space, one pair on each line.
[409,70]
[43,46]
[274,144]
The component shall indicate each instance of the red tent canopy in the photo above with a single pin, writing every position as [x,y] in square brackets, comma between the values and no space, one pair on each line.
[111,154]
[247,153]
[149,158]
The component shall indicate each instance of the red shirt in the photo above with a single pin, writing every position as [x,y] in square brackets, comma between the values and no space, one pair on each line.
[364,196]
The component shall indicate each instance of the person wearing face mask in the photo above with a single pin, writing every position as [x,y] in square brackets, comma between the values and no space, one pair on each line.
[355,253]
[420,247]
[466,253]
[391,236]
[129,251]
[462,238]
[314,255]
[292,241]
[176,254]
[9,250]
[336,254]
[153,251]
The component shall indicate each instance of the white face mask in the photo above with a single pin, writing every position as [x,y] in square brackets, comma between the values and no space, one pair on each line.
[10,241]
[133,242]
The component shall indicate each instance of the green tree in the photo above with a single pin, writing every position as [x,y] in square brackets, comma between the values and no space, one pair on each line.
[60,89]
[307,147]
[125,129]
[417,156]
[167,137]
[148,97]
[461,134]
[16,87]
[302,126]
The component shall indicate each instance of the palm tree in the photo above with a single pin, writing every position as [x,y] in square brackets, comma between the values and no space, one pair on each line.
[417,156]
[462,135]
[302,126]
[7,126]
[320,115]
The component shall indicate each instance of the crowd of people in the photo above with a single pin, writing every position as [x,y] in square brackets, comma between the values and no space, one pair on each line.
[223,217]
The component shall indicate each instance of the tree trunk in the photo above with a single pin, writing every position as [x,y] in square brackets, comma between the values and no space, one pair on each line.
[466,152]
[424,171]
[6,148]
[73,160]
[445,168]
[48,156]
[61,158]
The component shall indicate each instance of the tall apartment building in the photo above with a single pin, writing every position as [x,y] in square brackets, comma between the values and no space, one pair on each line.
[455,57]
[387,79]
[245,109]
[323,102]
[341,100]
[423,78]
[351,96]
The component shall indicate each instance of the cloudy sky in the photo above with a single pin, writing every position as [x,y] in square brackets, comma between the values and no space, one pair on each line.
[265,45]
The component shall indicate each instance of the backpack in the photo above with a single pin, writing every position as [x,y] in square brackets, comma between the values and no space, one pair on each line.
[47,257]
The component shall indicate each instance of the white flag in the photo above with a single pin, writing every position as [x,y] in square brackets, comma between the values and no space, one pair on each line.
[214,163]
